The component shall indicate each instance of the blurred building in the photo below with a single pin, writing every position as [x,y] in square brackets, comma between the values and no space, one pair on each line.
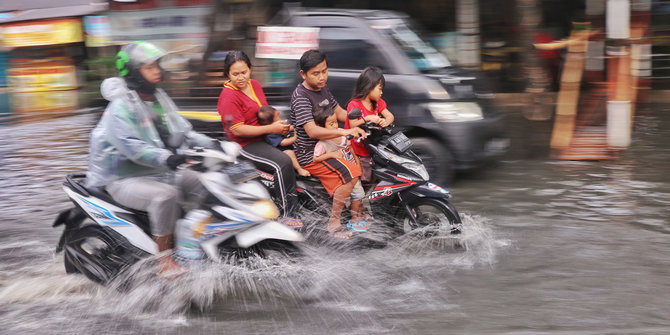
[50,50]
[42,44]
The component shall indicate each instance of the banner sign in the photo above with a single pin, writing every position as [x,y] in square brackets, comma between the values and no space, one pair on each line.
[285,42]
[96,30]
[42,78]
[155,4]
[183,23]
[43,32]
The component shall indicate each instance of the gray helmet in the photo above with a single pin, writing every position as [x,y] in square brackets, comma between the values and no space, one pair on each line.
[133,56]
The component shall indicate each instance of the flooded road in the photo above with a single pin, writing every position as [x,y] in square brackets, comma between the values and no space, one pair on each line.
[554,247]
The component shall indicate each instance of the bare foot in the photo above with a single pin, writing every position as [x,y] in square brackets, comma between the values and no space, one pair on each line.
[169,269]
[303,172]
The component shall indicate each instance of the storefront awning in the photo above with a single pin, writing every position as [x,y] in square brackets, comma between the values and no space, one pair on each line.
[54,12]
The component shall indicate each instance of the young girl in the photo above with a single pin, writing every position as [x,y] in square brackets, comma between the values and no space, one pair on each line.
[339,147]
[368,98]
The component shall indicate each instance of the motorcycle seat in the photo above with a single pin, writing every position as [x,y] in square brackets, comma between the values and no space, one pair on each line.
[310,179]
[100,193]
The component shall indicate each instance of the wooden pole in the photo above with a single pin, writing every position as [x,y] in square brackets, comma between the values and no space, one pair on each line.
[568,94]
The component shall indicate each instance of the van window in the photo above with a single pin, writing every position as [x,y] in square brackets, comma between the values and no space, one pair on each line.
[424,57]
[346,51]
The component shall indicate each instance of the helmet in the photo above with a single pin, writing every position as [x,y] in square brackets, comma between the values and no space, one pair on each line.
[133,56]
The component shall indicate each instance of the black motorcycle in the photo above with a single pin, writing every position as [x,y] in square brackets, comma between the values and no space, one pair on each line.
[400,196]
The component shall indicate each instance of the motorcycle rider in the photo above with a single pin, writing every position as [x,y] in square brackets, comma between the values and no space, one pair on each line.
[132,151]
[337,175]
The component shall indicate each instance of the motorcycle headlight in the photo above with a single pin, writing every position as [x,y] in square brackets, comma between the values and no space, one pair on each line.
[265,208]
[418,168]
[455,111]
[414,166]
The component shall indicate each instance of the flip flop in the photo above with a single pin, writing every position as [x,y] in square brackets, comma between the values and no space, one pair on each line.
[359,226]
[340,233]
[167,270]
[291,222]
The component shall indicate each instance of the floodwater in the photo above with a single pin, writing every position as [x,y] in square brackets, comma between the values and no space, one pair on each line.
[554,247]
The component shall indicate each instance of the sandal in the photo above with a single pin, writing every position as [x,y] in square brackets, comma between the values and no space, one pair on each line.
[340,233]
[359,226]
[169,269]
[291,222]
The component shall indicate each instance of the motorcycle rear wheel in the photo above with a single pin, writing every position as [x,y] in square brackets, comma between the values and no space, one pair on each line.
[97,254]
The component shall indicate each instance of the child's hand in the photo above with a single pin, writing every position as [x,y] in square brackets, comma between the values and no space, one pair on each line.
[373,118]
[383,122]
[337,154]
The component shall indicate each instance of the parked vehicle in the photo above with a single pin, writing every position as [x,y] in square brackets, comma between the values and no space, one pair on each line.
[102,238]
[452,125]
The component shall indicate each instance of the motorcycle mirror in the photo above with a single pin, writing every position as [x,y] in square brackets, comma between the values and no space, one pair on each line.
[176,139]
[355,114]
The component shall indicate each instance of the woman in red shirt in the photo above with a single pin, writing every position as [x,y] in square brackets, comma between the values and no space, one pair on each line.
[368,98]
[238,105]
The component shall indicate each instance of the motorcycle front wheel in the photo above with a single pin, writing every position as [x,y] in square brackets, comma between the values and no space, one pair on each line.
[263,249]
[429,212]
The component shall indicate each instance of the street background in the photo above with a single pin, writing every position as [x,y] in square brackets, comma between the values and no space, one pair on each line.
[555,246]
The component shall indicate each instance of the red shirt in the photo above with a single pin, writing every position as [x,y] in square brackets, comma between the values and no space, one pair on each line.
[359,147]
[237,109]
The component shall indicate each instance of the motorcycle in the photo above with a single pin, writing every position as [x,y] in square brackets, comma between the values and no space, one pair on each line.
[401,194]
[236,217]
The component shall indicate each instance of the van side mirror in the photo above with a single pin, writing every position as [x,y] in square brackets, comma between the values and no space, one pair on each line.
[355,114]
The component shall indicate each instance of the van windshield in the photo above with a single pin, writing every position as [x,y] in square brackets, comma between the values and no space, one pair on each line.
[423,56]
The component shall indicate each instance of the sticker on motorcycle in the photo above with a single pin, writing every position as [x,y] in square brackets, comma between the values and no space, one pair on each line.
[436,188]
[265,175]
[381,193]
[102,215]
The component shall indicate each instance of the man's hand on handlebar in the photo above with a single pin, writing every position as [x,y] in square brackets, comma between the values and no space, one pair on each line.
[355,132]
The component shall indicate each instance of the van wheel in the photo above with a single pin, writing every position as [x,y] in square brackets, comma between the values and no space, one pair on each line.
[436,158]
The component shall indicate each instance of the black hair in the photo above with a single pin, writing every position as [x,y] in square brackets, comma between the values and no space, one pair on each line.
[233,57]
[366,82]
[310,59]
[321,113]
[266,115]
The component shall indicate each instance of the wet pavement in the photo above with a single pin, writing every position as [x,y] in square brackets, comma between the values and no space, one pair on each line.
[554,247]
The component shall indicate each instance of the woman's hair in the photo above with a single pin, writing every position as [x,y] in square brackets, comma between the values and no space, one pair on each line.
[321,113]
[369,78]
[233,57]
[266,115]
[310,59]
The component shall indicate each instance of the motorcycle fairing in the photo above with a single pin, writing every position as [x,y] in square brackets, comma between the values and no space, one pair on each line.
[103,213]
[428,190]
[386,188]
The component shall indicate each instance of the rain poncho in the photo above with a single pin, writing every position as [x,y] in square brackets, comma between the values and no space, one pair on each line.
[126,143]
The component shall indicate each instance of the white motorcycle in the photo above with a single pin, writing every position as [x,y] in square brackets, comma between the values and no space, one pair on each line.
[235,217]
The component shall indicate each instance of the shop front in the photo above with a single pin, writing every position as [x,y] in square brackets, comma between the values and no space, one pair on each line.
[41,64]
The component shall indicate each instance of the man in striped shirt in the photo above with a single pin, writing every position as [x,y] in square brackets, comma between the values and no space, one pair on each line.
[337,175]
